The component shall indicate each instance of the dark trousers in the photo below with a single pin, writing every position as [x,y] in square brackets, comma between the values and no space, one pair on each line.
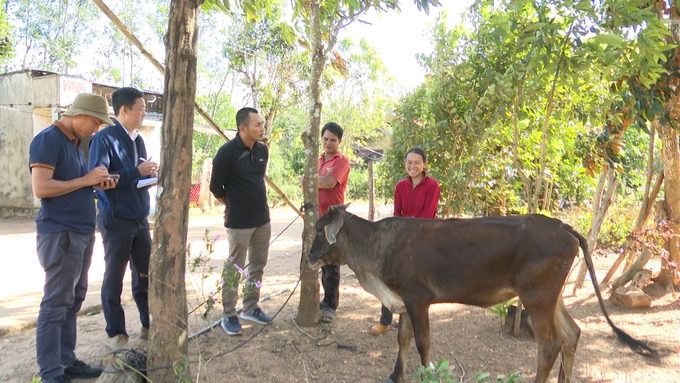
[330,280]
[125,240]
[385,316]
[66,258]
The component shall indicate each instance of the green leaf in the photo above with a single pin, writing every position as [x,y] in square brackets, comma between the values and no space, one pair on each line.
[288,33]
[609,39]
[528,40]
[583,5]
[534,26]
[496,19]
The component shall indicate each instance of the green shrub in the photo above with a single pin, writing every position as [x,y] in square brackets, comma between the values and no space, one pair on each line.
[617,225]
[441,373]
[357,185]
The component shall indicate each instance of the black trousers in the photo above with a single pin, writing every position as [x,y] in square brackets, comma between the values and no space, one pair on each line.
[385,316]
[125,241]
[330,280]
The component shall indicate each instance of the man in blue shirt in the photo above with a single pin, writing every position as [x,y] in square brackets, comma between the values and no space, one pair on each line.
[65,232]
[238,182]
[123,212]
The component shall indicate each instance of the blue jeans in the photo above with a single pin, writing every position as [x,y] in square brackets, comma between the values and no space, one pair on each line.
[66,258]
[125,240]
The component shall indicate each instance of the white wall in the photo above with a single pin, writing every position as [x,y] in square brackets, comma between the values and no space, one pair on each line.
[29,101]
[16,133]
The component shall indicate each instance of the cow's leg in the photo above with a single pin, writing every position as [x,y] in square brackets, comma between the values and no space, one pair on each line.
[404,336]
[569,333]
[549,344]
[420,320]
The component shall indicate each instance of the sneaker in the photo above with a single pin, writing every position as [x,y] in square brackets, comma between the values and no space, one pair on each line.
[81,370]
[231,326]
[117,342]
[144,333]
[257,316]
[58,379]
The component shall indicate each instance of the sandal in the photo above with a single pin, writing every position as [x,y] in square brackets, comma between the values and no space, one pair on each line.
[378,329]
[327,315]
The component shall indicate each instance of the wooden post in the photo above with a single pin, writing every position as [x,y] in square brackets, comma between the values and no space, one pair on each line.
[518,319]
[205,198]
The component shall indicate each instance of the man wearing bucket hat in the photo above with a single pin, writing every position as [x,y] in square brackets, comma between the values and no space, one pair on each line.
[65,232]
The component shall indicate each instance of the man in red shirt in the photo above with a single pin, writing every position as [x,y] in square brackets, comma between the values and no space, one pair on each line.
[333,177]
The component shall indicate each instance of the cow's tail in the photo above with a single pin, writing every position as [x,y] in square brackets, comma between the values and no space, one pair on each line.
[636,345]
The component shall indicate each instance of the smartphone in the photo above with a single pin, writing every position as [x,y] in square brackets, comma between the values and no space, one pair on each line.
[114,177]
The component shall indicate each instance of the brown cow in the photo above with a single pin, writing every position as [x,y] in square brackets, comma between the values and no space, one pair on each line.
[411,263]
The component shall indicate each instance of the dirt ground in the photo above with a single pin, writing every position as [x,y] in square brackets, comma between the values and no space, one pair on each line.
[345,352]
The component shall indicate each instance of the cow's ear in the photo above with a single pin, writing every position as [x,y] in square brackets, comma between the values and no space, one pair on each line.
[332,230]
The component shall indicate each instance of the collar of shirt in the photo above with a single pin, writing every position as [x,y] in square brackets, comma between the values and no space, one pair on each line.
[322,157]
[72,137]
[422,180]
[238,141]
[133,135]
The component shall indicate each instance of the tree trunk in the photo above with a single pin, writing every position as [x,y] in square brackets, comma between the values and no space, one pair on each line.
[167,293]
[634,269]
[602,201]
[308,309]
[640,223]
[649,197]
[670,156]
[671,168]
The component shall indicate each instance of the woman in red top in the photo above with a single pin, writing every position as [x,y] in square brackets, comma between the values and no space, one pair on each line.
[415,196]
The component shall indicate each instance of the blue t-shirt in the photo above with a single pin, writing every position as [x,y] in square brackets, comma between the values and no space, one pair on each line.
[73,211]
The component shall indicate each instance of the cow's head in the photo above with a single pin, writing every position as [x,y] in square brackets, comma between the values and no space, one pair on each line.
[327,228]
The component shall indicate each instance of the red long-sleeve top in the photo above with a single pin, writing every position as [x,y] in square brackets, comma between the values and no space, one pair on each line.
[419,202]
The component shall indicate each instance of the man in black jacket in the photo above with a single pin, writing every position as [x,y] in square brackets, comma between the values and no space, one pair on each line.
[238,182]
[123,211]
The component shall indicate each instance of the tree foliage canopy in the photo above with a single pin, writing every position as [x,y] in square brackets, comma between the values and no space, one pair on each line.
[51,33]
[511,93]
[6,34]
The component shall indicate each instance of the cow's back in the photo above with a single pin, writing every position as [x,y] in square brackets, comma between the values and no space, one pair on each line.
[480,261]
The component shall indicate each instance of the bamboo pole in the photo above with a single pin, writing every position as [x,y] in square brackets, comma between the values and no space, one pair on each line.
[134,40]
